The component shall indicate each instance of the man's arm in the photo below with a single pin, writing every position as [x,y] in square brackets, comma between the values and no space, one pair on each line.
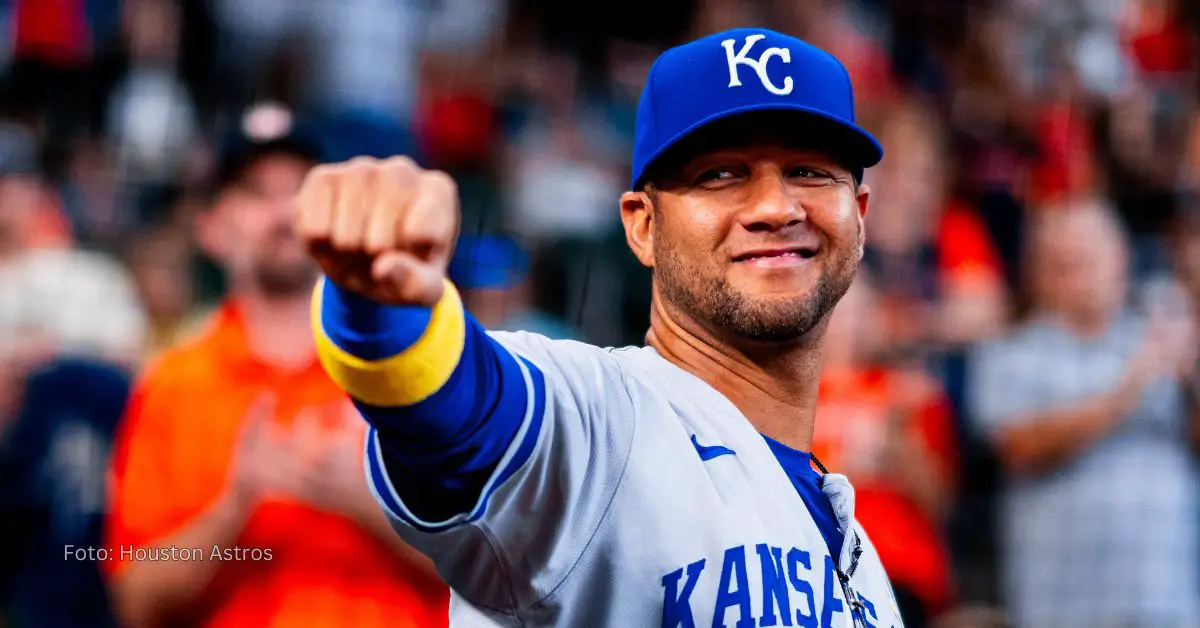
[446,401]
[149,511]
[470,432]
[1032,437]
[162,592]
[1041,440]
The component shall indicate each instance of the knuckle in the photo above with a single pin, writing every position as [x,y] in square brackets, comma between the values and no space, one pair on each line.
[398,173]
[361,163]
[377,241]
[399,163]
[315,179]
[323,174]
[322,171]
[356,170]
[440,181]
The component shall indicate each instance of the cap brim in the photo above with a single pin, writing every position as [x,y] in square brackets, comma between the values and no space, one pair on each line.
[848,142]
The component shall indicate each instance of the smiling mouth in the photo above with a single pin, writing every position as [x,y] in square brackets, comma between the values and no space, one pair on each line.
[795,253]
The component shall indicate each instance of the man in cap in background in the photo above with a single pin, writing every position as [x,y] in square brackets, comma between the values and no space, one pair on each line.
[239,452]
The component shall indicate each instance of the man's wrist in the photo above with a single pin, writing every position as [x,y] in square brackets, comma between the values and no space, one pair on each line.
[1125,400]
[236,504]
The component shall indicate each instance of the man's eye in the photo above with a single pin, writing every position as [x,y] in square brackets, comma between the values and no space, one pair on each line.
[715,174]
[809,174]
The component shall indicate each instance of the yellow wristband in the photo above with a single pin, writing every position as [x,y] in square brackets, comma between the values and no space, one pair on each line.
[407,377]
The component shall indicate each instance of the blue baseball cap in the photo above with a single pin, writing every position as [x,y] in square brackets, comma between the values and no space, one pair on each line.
[484,261]
[265,129]
[742,71]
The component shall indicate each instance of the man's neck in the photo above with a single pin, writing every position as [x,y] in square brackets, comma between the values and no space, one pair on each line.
[279,329]
[775,386]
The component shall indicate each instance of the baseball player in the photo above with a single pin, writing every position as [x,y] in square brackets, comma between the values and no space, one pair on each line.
[556,483]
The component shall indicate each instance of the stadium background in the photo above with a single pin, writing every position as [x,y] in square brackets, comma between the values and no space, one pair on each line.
[991,111]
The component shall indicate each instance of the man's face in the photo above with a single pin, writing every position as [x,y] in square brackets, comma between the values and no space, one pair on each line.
[758,240]
[253,230]
[1080,264]
[912,188]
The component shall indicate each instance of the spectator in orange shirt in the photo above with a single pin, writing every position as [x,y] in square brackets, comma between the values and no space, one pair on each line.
[888,429]
[241,456]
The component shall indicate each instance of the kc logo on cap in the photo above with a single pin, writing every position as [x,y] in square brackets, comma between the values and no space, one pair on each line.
[758,65]
[699,83]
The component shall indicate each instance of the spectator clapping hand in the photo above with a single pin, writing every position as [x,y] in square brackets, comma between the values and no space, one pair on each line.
[331,473]
[265,465]
[307,461]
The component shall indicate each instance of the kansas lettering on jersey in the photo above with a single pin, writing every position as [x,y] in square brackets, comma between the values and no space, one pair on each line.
[603,512]
[782,596]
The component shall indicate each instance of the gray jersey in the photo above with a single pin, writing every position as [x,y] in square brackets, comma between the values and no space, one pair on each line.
[603,512]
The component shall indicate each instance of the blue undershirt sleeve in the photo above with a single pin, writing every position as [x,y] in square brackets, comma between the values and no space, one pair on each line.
[445,401]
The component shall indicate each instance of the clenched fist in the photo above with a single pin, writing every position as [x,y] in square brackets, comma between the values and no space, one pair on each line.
[382,229]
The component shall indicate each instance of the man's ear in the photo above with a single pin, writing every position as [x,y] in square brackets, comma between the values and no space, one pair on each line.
[863,200]
[637,214]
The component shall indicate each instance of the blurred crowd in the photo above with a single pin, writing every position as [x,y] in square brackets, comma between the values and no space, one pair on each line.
[1012,383]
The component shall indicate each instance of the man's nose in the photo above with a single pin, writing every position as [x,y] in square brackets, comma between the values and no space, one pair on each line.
[772,207]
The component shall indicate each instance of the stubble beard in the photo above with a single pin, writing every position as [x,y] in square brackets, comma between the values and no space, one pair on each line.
[281,281]
[718,305]
[277,277]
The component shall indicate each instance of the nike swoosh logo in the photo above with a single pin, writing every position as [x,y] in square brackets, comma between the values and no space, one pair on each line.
[708,453]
